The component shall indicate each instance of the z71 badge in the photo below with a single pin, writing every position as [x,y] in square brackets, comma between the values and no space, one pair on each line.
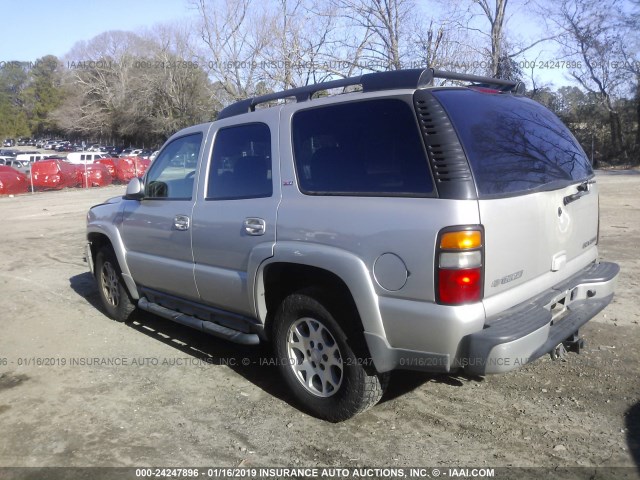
[507,279]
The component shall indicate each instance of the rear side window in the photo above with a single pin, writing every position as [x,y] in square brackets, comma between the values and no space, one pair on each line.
[514,145]
[241,163]
[361,148]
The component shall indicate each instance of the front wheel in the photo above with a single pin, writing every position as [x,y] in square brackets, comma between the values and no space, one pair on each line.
[113,293]
[318,363]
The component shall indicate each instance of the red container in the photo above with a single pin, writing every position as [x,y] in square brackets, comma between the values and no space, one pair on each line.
[110,163]
[93,175]
[54,175]
[130,167]
[12,182]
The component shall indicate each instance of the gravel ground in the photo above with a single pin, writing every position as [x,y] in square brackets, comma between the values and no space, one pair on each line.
[78,389]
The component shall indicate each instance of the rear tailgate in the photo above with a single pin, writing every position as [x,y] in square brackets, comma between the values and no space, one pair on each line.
[537,197]
[533,242]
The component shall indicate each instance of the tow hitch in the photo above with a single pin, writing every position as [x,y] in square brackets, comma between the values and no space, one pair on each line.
[572,344]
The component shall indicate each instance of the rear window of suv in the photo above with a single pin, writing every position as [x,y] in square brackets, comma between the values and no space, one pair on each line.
[370,147]
[514,145]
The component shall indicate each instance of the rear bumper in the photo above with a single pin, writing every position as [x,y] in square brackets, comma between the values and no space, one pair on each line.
[498,344]
[528,331]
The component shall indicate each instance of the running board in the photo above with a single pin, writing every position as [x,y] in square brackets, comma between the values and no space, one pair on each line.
[202,325]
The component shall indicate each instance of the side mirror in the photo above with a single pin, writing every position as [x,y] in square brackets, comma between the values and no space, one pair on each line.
[135,190]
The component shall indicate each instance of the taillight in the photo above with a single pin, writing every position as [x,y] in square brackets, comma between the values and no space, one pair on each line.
[484,89]
[459,275]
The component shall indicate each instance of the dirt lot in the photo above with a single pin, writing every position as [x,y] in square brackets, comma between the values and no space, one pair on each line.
[175,397]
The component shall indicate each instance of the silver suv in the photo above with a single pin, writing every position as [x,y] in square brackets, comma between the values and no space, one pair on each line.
[398,226]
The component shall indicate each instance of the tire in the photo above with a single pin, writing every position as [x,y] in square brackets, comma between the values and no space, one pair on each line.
[111,288]
[317,360]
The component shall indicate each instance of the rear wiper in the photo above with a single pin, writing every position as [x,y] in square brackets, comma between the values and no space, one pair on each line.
[583,189]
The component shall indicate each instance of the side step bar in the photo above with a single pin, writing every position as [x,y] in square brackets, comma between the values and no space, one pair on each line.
[202,325]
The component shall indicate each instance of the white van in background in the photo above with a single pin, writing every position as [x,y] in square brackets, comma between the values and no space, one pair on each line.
[84,157]
[32,157]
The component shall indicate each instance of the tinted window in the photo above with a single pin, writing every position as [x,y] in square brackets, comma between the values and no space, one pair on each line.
[241,163]
[514,144]
[171,175]
[361,148]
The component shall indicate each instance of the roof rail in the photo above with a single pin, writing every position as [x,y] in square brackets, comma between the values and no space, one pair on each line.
[371,82]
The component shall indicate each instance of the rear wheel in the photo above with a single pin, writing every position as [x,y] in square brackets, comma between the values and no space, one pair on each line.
[113,293]
[317,360]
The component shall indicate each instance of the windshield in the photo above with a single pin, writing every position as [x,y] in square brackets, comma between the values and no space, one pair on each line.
[514,145]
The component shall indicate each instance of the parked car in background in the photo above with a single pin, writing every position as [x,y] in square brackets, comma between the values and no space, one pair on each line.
[130,152]
[23,166]
[54,144]
[84,157]
[65,147]
[9,142]
[96,147]
[93,175]
[113,151]
[145,153]
[12,182]
[53,174]
[8,153]
[32,157]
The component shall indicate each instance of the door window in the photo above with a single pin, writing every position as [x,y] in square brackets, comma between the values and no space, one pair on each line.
[171,175]
[241,163]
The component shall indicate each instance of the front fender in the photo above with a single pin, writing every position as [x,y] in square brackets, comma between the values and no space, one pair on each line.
[106,220]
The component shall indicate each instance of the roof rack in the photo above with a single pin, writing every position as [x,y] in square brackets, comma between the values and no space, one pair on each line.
[371,82]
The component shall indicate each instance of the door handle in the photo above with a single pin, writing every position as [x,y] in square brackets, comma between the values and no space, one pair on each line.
[181,222]
[254,226]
